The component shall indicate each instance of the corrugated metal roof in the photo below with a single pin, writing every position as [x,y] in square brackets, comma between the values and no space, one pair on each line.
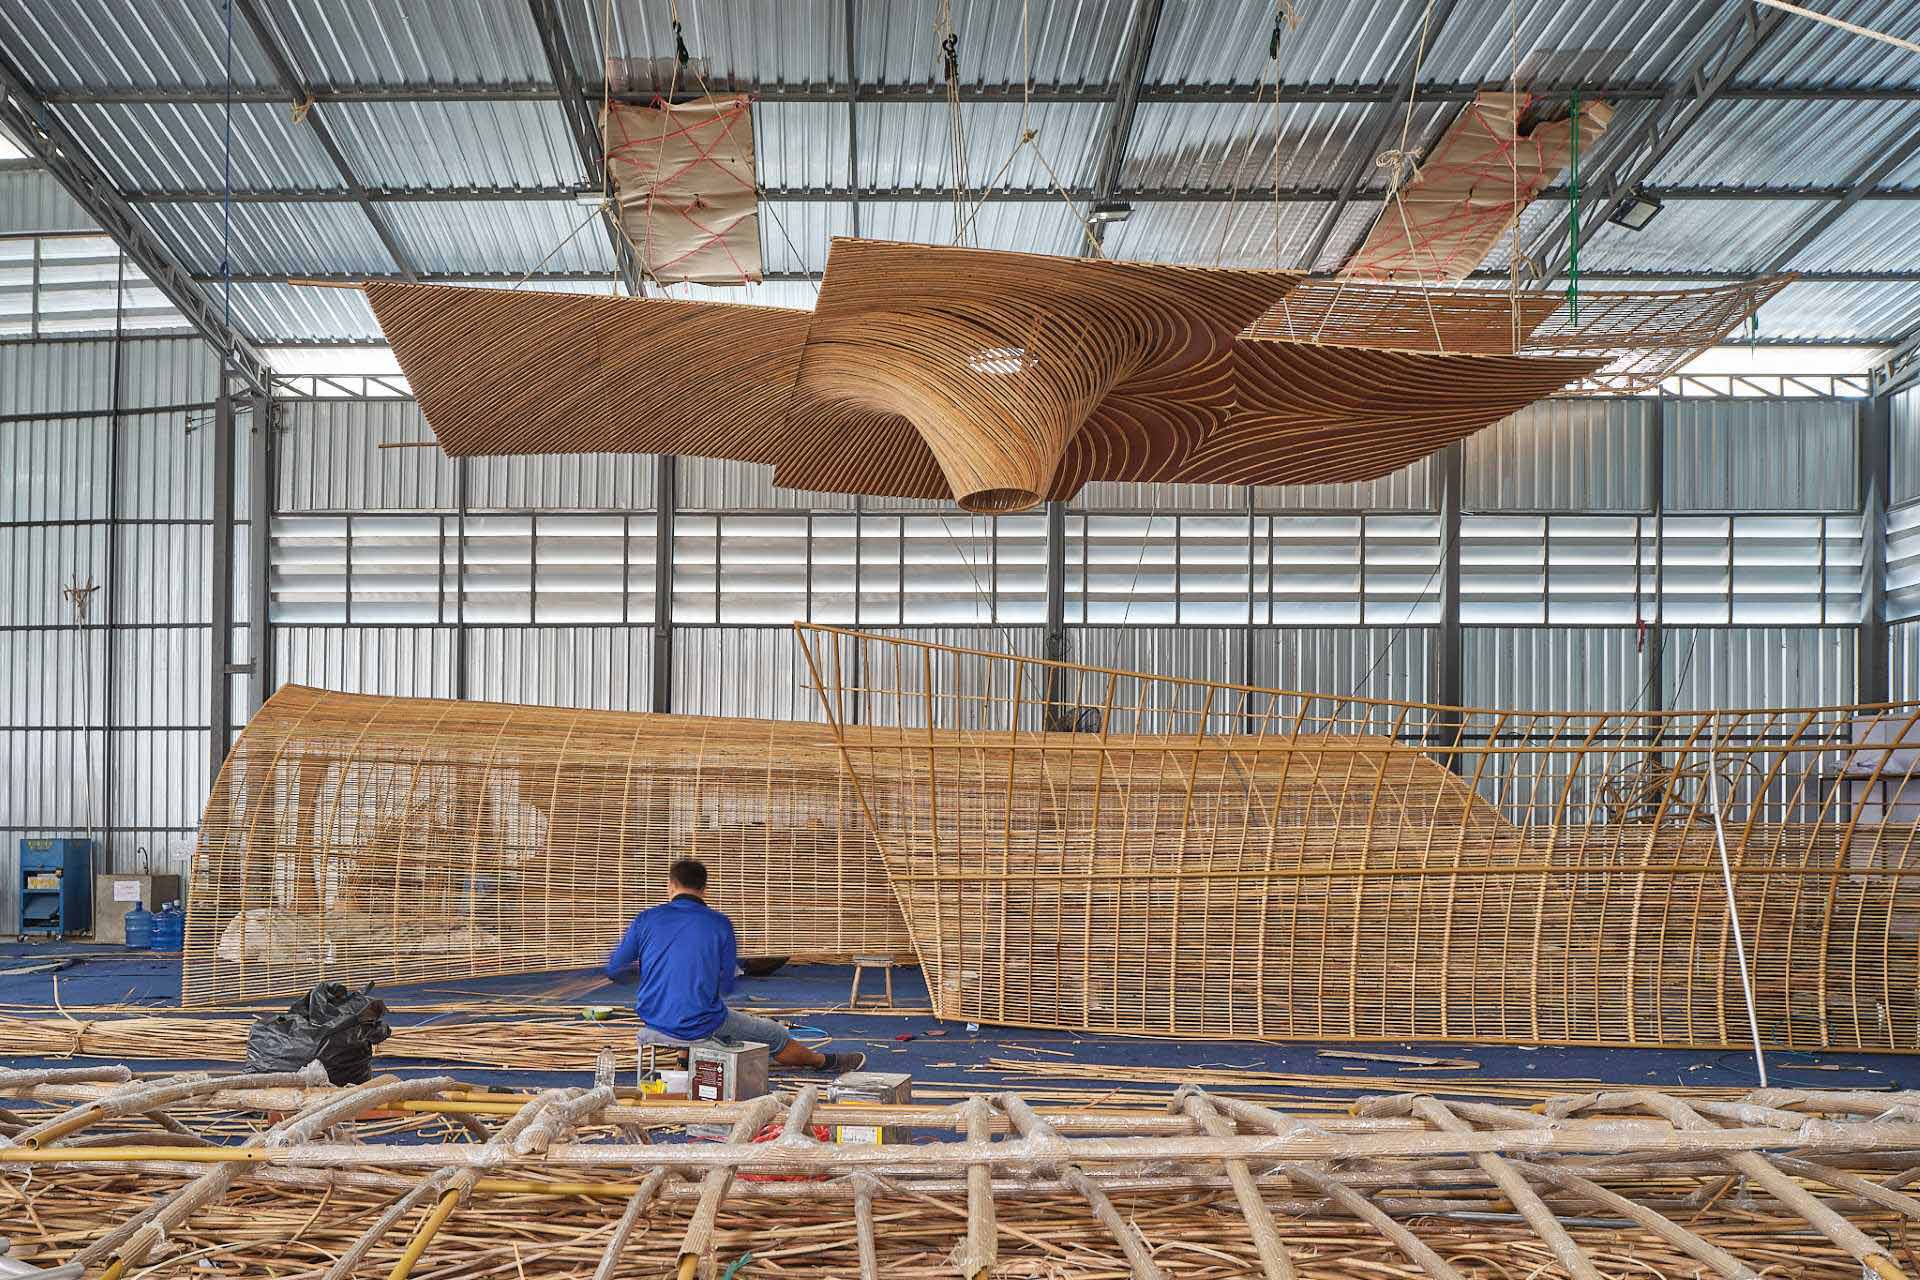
[284,239]
[365,42]
[456,144]
[182,147]
[1072,42]
[1030,226]
[1862,238]
[802,144]
[1626,41]
[1188,145]
[1784,143]
[481,236]
[905,145]
[1841,312]
[1226,43]
[1810,52]
[795,43]
[794,234]
[1738,235]
[75,44]
[282,311]
[1217,233]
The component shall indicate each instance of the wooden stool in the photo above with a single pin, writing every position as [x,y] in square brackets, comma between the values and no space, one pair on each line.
[863,963]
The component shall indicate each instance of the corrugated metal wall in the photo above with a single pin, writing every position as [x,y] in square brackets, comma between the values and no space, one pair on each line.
[1903,423]
[1762,455]
[138,660]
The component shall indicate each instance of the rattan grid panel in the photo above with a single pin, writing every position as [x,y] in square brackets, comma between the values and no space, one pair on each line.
[1210,860]
[357,837]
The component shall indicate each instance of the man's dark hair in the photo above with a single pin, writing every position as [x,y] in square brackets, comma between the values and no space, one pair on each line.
[689,874]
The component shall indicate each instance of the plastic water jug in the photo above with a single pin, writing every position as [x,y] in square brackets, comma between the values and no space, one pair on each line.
[139,928]
[170,929]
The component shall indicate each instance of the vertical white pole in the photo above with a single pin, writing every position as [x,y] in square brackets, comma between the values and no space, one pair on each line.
[1739,938]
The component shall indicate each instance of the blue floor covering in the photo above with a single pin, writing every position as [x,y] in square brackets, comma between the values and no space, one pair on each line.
[945,1053]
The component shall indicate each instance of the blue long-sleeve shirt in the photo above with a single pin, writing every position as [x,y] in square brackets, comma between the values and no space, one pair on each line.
[687,953]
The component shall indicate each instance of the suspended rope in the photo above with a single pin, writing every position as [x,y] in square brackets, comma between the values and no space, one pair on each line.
[1513,166]
[1573,220]
[1401,165]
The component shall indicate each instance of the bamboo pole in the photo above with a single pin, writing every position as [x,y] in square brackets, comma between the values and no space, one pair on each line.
[719,1180]
[1266,1238]
[1035,1130]
[978,1252]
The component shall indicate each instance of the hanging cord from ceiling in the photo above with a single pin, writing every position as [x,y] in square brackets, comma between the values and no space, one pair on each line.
[1027,136]
[726,127]
[948,40]
[1401,164]
[1513,166]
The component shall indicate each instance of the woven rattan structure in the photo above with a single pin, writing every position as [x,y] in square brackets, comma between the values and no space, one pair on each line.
[994,379]
[355,837]
[567,1182]
[1205,859]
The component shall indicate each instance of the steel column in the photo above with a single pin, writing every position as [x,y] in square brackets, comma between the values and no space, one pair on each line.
[1872,659]
[1654,651]
[1053,642]
[666,501]
[1449,675]
[220,584]
[261,443]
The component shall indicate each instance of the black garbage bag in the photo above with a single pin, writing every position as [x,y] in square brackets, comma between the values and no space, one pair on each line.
[332,1024]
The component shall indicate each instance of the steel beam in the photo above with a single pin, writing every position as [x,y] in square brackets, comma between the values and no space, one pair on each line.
[1214,94]
[1119,125]
[1449,654]
[292,83]
[1627,157]
[922,195]
[1696,274]
[1375,130]
[26,116]
[1863,181]
[583,124]
[666,502]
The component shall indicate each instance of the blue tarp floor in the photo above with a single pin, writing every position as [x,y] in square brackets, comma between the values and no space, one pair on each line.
[943,1053]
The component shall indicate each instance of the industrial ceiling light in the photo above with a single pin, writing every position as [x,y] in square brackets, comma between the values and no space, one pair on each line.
[1109,211]
[1637,210]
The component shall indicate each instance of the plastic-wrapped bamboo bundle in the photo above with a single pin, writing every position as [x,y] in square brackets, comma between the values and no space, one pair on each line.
[1083,848]
[354,837]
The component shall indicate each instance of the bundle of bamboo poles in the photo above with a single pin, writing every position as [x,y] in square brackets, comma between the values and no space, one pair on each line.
[564,1184]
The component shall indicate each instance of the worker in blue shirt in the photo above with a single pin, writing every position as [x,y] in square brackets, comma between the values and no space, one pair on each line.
[687,956]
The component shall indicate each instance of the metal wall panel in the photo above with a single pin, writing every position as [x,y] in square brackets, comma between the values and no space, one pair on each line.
[712,484]
[330,459]
[54,469]
[1411,488]
[30,200]
[410,662]
[1708,667]
[602,668]
[1903,563]
[1365,662]
[741,671]
[1198,653]
[1762,455]
[560,482]
[1903,420]
[77,377]
[1560,455]
[1553,668]
[1108,496]
[1903,668]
